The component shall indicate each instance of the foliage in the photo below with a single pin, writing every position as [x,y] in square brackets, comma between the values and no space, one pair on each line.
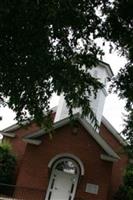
[126,191]
[7,163]
[46,47]
[119,26]
[40,53]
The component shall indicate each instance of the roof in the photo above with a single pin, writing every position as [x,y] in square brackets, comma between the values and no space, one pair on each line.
[107,66]
[9,131]
[114,132]
[34,138]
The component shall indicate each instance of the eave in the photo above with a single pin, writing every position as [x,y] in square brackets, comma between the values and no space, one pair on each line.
[8,134]
[16,126]
[32,141]
[108,158]
[107,66]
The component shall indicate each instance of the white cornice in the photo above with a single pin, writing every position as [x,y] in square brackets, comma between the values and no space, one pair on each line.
[32,141]
[108,158]
[11,134]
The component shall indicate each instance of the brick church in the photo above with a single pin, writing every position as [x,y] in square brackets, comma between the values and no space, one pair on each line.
[79,162]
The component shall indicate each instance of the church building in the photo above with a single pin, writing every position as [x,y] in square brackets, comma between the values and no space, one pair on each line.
[78,163]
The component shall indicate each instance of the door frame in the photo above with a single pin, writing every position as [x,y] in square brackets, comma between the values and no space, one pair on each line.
[54,163]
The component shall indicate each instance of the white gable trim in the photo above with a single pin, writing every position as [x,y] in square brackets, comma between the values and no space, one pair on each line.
[99,139]
[55,126]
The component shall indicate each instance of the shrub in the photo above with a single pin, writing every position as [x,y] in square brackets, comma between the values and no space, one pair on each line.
[7,163]
[125,192]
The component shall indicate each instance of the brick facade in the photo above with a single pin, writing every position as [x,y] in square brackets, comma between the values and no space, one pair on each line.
[120,165]
[34,171]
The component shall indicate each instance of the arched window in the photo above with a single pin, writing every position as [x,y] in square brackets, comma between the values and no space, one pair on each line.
[67,165]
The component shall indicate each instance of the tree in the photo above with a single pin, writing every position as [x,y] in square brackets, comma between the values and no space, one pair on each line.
[126,190]
[119,30]
[40,53]
[46,47]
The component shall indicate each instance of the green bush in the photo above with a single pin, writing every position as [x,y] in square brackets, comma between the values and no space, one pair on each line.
[7,163]
[125,192]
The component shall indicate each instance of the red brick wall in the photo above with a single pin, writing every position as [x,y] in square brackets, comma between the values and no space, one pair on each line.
[120,165]
[18,146]
[34,170]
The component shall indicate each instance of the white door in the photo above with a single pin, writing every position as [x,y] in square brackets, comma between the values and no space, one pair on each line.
[62,186]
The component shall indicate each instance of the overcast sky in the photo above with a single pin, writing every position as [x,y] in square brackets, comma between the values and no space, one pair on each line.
[114,107]
[113,110]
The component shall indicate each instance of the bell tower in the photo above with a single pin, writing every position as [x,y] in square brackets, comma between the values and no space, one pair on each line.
[103,72]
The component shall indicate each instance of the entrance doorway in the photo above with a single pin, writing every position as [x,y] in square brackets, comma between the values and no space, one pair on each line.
[63,180]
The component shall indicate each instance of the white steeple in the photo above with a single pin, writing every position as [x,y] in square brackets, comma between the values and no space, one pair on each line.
[102,72]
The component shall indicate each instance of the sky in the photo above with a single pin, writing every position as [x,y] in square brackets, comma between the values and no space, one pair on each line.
[113,109]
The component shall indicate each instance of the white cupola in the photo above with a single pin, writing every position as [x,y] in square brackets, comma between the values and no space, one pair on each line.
[103,72]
